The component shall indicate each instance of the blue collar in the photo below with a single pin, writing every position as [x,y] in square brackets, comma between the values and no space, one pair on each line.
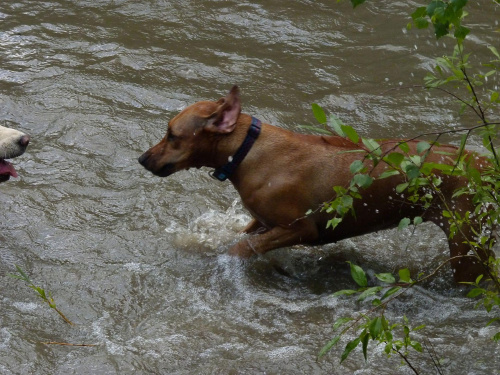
[224,172]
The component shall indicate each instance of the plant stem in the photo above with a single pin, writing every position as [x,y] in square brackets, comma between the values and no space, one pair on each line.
[405,359]
[63,316]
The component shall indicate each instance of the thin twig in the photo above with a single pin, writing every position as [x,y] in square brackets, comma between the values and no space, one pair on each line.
[432,354]
[481,115]
[64,317]
[405,359]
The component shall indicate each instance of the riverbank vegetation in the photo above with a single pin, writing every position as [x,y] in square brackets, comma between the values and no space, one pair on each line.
[475,90]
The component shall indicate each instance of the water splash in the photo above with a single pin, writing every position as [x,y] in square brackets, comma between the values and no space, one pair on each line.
[212,229]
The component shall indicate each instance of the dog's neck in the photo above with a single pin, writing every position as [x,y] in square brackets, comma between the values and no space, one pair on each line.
[226,171]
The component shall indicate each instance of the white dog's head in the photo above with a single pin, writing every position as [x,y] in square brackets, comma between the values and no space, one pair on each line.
[12,144]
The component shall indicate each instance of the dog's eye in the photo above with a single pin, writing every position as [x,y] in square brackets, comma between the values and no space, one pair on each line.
[171,137]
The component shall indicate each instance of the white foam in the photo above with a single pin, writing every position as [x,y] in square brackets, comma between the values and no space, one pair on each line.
[5,337]
[97,328]
[25,306]
[212,229]
[285,352]
[137,267]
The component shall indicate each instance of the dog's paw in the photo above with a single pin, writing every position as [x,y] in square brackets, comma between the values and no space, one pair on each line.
[242,249]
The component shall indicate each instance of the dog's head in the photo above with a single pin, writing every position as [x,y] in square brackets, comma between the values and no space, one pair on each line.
[13,143]
[192,136]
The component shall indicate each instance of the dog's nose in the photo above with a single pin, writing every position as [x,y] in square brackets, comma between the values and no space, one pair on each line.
[143,158]
[24,141]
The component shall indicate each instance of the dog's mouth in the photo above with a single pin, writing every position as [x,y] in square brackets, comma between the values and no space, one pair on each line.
[6,170]
[164,171]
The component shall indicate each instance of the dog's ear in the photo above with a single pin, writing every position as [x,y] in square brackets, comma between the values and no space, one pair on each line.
[223,119]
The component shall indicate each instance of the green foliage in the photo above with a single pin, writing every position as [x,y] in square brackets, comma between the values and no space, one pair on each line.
[421,184]
[396,337]
[40,291]
[444,16]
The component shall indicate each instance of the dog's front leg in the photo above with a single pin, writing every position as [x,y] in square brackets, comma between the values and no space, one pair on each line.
[255,226]
[303,231]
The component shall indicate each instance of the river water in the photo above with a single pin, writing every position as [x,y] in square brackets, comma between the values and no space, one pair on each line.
[139,263]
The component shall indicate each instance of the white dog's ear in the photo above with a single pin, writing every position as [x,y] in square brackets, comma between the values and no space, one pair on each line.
[223,119]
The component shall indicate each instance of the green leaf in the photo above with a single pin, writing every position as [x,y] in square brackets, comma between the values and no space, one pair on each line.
[24,276]
[388,173]
[372,146]
[404,275]
[422,326]
[461,32]
[402,187]
[349,348]
[355,3]
[394,159]
[356,166]
[421,23]
[369,292]
[319,113]
[412,171]
[474,175]
[363,180]
[419,13]
[386,277]
[336,124]
[494,51]
[417,220]
[416,345]
[364,342]
[340,321]
[333,223]
[403,224]
[492,321]
[375,327]
[494,97]
[422,146]
[475,292]
[347,201]
[358,275]
[328,346]
[344,292]
[391,291]
[350,133]
[404,147]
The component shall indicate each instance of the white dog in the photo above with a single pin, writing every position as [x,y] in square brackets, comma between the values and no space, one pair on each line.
[12,144]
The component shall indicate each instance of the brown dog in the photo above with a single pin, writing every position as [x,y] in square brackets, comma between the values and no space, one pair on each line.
[281,175]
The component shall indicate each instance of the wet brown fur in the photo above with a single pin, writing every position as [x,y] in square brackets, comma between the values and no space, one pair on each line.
[287,174]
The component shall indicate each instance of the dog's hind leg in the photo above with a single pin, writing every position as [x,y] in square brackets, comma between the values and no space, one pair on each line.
[466,259]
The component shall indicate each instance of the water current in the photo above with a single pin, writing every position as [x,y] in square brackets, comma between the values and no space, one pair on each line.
[139,263]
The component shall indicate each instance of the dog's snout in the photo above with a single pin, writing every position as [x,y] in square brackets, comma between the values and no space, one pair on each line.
[143,159]
[24,141]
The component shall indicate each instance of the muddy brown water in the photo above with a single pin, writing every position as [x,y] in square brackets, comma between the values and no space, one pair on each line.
[137,262]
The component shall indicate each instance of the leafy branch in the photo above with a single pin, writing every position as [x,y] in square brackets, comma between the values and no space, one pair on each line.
[40,291]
